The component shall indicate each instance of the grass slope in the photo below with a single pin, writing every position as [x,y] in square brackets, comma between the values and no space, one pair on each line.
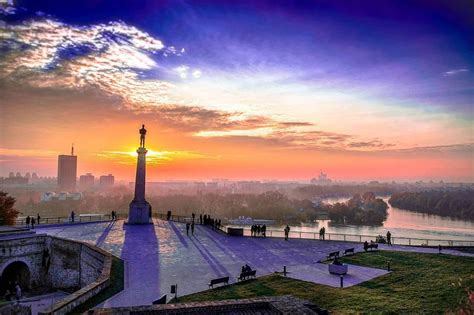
[116,285]
[418,283]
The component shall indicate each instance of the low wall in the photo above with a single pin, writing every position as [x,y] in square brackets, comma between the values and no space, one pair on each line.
[91,260]
[73,266]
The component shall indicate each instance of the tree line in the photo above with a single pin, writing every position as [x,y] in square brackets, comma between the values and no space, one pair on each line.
[456,204]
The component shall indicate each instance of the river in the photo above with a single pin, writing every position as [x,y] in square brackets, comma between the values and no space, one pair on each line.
[400,223]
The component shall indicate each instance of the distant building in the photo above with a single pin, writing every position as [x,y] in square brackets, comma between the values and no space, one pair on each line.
[27,175]
[86,181]
[11,174]
[34,176]
[18,174]
[62,196]
[106,181]
[321,180]
[67,172]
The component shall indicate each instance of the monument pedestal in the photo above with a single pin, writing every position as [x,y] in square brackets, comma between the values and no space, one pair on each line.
[139,213]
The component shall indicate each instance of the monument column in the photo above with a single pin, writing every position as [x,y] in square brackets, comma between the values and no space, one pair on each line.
[139,212]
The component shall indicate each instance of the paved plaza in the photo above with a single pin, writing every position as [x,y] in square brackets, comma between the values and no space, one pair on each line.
[159,255]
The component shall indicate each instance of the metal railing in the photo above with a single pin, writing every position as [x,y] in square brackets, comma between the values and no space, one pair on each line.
[358,238]
[78,218]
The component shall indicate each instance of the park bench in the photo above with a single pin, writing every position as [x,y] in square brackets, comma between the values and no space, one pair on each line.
[213,282]
[349,251]
[333,255]
[161,300]
[247,275]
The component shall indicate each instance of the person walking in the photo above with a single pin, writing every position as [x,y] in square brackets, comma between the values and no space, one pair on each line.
[192,228]
[187,228]
[389,238]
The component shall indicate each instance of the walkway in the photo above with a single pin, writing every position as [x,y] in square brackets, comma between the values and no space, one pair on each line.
[157,256]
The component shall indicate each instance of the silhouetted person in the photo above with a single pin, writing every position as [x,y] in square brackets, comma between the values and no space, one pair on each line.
[142,136]
[287,232]
[264,230]
[439,249]
[192,228]
[33,222]
[389,238]
[18,292]
[366,246]
[187,228]
[200,219]
[150,212]
[27,221]
[38,218]
[324,232]
[193,215]
[168,215]
[247,268]
[321,233]
[72,216]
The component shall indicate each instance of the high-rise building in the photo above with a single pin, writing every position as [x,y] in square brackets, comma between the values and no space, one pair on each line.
[86,181]
[34,176]
[11,174]
[106,181]
[67,172]
[27,175]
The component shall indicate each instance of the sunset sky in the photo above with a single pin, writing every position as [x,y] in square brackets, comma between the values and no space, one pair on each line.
[362,90]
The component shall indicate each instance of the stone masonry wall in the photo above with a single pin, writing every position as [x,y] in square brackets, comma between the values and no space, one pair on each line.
[92,263]
[27,250]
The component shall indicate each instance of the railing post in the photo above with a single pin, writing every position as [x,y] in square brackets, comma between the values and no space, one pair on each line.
[409,241]
[344,237]
[360,238]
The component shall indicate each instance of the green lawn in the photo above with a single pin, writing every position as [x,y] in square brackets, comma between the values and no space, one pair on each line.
[418,283]
[116,285]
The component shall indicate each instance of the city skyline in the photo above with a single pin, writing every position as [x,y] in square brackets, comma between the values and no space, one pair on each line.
[372,91]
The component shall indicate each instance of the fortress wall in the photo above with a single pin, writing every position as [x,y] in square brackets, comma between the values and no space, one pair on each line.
[28,250]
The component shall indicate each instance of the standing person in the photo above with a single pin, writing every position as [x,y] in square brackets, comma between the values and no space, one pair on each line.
[72,216]
[320,233]
[192,228]
[187,228]
[18,291]
[389,238]
[38,218]
[264,230]
[27,221]
[287,232]
[193,215]
[32,222]
[200,219]
[324,232]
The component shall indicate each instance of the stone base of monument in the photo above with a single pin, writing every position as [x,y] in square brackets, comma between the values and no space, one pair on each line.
[139,213]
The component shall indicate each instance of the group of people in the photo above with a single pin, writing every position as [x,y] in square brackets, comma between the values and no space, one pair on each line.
[207,220]
[190,225]
[322,233]
[31,221]
[257,230]
[246,268]
[13,291]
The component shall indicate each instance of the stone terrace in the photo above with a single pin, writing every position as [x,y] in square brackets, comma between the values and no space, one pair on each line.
[157,256]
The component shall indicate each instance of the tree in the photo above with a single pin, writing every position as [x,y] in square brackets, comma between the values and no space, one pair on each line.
[8,214]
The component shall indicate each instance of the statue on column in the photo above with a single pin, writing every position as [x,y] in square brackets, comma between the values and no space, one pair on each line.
[142,136]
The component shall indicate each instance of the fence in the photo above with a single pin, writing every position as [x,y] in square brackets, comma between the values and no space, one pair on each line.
[269,232]
[358,238]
